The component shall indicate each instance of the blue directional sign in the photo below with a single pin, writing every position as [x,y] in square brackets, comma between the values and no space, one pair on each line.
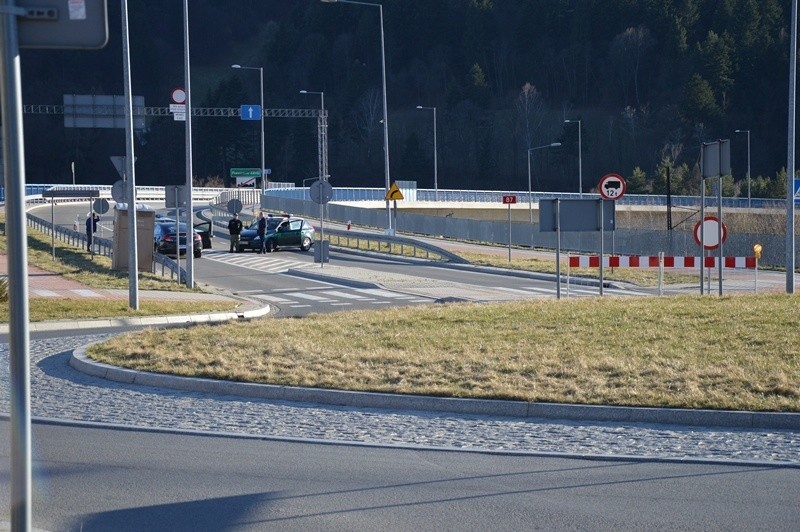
[250,112]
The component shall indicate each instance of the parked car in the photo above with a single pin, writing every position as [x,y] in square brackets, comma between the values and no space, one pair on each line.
[165,239]
[281,233]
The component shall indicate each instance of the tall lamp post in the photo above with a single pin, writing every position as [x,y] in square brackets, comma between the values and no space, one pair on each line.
[263,162]
[580,156]
[748,162]
[385,113]
[435,155]
[322,147]
[530,193]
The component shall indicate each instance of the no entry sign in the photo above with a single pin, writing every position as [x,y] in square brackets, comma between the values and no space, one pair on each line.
[710,232]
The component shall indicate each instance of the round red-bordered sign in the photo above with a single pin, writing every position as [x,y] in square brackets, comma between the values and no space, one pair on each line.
[178,95]
[710,228]
[612,187]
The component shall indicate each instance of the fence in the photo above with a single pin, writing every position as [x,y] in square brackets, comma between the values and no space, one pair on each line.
[525,234]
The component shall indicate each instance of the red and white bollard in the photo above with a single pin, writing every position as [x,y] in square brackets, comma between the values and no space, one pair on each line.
[349,224]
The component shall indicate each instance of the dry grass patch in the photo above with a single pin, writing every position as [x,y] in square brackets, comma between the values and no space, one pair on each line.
[738,352]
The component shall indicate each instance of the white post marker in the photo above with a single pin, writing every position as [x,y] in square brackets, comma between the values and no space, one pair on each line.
[509,200]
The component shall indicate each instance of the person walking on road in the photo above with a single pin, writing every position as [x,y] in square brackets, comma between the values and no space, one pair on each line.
[235,229]
[91,228]
[262,232]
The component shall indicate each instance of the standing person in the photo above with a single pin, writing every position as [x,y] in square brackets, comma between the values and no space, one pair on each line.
[91,228]
[262,231]
[235,229]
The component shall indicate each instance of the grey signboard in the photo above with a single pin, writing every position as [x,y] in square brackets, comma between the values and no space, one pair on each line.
[71,24]
[576,215]
[101,111]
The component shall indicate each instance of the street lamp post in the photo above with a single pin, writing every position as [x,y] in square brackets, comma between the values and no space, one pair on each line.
[322,148]
[748,162]
[530,193]
[385,113]
[263,162]
[435,155]
[580,156]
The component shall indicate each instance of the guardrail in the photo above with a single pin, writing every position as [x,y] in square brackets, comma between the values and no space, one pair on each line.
[361,241]
[103,246]
[346,194]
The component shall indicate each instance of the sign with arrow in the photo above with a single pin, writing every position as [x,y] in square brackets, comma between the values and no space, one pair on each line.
[250,112]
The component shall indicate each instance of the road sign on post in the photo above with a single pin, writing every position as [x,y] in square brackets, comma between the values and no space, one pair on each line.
[709,238]
[509,200]
[612,187]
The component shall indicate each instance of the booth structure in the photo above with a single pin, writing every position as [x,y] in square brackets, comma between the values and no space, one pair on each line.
[145,222]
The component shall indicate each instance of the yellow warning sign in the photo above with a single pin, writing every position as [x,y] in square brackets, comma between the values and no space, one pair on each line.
[394,193]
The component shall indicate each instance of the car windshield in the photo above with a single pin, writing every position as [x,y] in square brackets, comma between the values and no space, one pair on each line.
[272,223]
[170,228]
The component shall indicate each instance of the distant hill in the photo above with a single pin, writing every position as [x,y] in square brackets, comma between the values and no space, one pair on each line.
[649,81]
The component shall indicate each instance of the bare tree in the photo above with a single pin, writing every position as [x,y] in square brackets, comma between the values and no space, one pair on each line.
[367,116]
[530,109]
[626,52]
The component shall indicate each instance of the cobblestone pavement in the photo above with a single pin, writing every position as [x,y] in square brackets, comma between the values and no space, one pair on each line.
[58,391]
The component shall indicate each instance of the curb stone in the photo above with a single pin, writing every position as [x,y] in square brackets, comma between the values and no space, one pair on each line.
[486,407]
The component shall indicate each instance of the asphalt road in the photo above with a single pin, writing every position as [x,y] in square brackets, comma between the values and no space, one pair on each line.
[101,478]
[117,479]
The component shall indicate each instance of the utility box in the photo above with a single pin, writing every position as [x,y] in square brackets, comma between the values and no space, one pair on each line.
[145,222]
[321,251]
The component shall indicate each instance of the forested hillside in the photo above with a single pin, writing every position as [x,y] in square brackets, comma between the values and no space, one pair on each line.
[648,79]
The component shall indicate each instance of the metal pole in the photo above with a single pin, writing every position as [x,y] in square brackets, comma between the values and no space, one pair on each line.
[509,232]
[189,206]
[580,156]
[558,249]
[580,162]
[748,170]
[702,226]
[790,168]
[385,111]
[19,348]
[385,120]
[602,250]
[719,228]
[435,161]
[263,160]
[530,196]
[133,259]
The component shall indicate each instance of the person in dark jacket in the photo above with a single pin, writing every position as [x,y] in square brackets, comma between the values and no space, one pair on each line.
[262,232]
[91,228]
[235,229]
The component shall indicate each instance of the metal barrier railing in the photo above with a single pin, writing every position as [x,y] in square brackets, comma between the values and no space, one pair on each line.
[362,241]
[103,246]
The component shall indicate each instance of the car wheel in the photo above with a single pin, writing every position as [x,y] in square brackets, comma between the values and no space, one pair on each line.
[305,245]
[271,246]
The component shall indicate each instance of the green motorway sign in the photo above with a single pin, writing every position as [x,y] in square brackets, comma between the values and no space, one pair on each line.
[245,172]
